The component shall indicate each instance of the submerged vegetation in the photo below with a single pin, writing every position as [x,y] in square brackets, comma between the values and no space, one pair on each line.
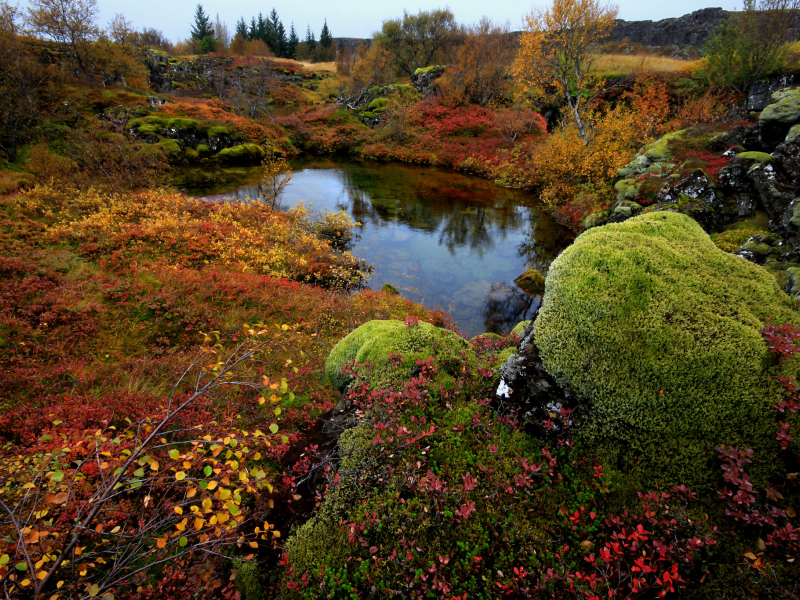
[202,399]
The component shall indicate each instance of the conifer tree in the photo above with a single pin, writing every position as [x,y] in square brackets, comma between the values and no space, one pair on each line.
[252,33]
[325,38]
[261,28]
[272,32]
[241,29]
[291,44]
[283,43]
[310,39]
[202,27]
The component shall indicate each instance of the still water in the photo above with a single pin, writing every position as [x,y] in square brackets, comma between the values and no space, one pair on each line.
[443,239]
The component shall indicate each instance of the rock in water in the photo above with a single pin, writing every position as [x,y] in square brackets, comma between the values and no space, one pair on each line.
[657,331]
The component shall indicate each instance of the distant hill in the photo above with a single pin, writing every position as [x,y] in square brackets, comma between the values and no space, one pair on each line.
[692,30]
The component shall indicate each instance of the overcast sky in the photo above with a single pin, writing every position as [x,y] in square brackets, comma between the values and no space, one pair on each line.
[357,18]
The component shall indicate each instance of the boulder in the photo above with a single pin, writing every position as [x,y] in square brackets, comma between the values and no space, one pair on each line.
[374,341]
[653,158]
[657,332]
[777,119]
[531,281]
[698,196]
[622,210]
[760,247]
[735,182]
[526,387]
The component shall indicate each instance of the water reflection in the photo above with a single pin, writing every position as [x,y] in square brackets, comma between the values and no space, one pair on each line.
[444,239]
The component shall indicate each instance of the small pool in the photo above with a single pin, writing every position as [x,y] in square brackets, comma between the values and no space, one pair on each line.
[443,239]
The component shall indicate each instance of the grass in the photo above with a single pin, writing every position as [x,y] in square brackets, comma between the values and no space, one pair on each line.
[625,64]
[327,67]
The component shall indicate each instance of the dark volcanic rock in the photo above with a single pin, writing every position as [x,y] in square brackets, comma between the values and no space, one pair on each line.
[526,388]
[693,29]
[698,196]
[760,94]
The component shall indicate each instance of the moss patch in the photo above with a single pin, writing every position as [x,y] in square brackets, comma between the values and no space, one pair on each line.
[375,340]
[657,330]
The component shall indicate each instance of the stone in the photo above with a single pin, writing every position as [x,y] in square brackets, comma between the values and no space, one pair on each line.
[531,281]
[623,209]
[657,331]
[653,158]
[777,119]
[698,196]
[373,341]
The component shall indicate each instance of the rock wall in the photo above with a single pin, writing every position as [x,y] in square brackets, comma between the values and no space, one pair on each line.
[689,30]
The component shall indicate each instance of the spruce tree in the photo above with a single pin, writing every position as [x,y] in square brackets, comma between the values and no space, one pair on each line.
[202,27]
[272,33]
[241,28]
[325,38]
[252,33]
[283,44]
[291,45]
[261,31]
[310,40]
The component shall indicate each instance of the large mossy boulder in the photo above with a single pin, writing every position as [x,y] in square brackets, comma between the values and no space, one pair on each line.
[371,344]
[658,333]
[777,119]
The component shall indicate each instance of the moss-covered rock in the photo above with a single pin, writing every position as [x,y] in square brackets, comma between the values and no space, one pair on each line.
[520,327]
[757,156]
[653,158]
[374,340]
[242,154]
[657,331]
[785,108]
[777,119]
[531,281]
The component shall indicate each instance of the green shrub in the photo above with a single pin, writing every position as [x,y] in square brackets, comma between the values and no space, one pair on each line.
[657,331]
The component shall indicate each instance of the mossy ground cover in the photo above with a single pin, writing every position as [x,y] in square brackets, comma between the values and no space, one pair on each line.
[659,331]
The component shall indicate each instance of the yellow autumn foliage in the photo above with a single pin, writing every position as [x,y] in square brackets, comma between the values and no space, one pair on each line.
[193,232]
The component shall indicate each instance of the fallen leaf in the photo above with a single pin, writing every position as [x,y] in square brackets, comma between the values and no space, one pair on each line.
[59,498]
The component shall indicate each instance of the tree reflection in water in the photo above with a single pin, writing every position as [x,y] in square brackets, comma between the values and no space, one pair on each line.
[444,239]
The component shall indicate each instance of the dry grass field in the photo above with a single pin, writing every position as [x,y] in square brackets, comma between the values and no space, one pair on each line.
[625,64]
[329,67]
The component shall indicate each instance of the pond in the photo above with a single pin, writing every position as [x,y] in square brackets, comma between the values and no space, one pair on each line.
[443,239]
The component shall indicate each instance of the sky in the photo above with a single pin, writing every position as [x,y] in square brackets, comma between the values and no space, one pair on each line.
[357,18]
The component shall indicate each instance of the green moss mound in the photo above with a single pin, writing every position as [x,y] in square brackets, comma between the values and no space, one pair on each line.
[242,154]
[374,340]
[657,331]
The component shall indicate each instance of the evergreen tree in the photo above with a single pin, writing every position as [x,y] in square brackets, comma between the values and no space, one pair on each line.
[310,40]
[291,44]
[283,44]
[325,38]
[241,29]
[272,33]
[252,33]
[202,27]
[261,29]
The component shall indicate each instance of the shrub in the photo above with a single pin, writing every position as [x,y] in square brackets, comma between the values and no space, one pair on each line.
[657,330]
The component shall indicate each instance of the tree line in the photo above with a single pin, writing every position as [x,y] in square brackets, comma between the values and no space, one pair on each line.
[260,35]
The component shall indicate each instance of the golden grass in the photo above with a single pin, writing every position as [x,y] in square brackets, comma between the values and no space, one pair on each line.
[625,64]
[328,67]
